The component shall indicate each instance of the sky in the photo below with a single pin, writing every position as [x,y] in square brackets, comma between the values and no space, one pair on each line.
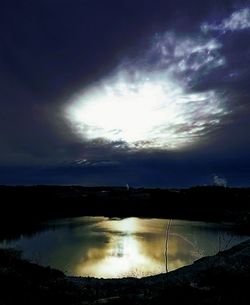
[152,93]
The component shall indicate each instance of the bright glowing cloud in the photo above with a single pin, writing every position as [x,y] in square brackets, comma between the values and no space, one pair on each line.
[239,20]
[151,104]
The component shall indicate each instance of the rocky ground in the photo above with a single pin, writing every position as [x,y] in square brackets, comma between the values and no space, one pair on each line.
[220,279]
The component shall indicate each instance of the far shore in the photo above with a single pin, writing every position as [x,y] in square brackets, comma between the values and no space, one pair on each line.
[25,208]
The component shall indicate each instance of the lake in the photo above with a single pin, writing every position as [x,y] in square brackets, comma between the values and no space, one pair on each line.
[113,248]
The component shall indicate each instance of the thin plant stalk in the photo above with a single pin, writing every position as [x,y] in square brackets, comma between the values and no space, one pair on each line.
[166,243]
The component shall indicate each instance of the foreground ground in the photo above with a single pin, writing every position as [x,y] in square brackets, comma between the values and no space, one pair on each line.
[220,279]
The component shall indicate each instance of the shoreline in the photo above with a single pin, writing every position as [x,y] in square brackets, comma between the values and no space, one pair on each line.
[25,208]
[225,276]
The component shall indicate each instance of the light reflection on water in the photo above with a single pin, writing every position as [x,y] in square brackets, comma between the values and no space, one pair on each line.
[114,248]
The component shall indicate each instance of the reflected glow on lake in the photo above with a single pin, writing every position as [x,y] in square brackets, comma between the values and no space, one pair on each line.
[113,248]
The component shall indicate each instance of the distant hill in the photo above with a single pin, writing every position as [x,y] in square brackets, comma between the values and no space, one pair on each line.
[25,206]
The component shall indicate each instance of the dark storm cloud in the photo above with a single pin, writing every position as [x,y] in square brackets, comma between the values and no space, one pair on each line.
[49,50]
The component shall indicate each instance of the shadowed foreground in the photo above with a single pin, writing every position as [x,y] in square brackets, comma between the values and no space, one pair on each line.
[220,279]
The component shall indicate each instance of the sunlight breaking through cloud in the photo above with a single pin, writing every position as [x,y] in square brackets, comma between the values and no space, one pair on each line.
[151,104]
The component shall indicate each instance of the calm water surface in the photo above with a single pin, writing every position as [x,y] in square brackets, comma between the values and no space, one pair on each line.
[113,248]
